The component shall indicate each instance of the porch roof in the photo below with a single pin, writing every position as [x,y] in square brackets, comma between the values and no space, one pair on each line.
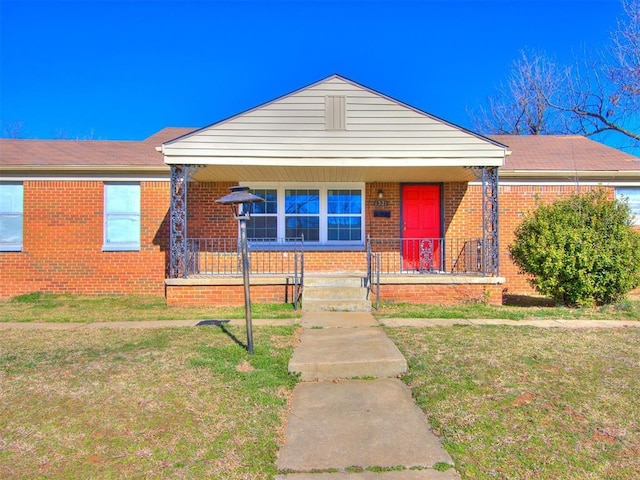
[334,130]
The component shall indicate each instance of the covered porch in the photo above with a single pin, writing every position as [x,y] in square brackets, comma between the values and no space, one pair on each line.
[445,269]
[355,183]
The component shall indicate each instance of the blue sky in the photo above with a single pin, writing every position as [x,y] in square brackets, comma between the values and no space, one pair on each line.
[125,69]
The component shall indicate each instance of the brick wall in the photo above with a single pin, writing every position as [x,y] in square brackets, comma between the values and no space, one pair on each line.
[205,217]
[382,227]
[63,238]
[63,235]
[515,202]
[442,294]
[225,295]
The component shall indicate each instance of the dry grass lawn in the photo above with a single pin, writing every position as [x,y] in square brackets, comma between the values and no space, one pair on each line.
[163,403]
[527,403]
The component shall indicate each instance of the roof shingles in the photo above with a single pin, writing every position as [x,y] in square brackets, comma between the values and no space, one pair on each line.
[86,153]
[529,153]
[563,153]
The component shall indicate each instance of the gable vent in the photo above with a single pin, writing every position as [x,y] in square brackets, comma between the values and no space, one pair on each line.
[335,112]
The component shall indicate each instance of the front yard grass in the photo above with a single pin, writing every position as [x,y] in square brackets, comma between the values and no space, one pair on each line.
[508,402]
[40,307]
[142,403]
[523,402]
[515,308]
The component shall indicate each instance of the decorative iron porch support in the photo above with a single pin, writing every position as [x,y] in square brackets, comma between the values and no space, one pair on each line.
[178,222]
[490,233]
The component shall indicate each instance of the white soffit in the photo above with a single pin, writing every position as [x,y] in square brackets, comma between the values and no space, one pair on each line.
[333,174]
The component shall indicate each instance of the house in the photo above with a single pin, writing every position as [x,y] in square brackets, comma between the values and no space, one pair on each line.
[355,183]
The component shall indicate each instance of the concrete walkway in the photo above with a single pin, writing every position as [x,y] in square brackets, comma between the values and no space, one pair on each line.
[540,323]
[388,322]
[307,320]
[351,418]
[141,324]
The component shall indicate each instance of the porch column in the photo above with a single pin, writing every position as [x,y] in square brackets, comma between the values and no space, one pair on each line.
[490,221]
[178,222]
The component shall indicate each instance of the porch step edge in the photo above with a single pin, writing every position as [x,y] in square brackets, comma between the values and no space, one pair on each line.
[334,293]
[334,281]
[336,305]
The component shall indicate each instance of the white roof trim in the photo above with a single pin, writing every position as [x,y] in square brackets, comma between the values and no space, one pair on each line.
[489,161]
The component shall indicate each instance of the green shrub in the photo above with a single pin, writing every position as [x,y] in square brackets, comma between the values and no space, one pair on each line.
[581,251]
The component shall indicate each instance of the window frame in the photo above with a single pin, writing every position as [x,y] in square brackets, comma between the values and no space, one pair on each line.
[14,246]
[110,246]
[323,215]
[263,215]
[622,193]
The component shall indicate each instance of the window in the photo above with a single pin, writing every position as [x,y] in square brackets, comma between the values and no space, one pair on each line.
[264,219]
[121,216]
[632,196]
[11,213]
[302,214]
[344,215]
[325,215]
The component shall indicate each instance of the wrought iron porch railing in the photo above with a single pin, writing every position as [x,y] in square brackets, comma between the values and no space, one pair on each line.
[427,255]
[372,280]
[403,256]
[222,256]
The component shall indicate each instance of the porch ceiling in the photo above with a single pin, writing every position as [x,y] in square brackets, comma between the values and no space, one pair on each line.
[262,173]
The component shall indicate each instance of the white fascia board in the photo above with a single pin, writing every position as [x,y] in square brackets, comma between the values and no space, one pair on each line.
[540,177]
[92,173]
[560,183]
[21,177]
[86,168]
[488,161]
[568,173]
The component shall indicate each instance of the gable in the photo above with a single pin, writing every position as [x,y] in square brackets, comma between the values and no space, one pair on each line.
[334,120]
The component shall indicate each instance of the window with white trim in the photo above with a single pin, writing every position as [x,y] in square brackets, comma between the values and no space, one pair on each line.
[344,215]
[264,218]
[11,216]
[302,214]
[632,197]
[327,214]
[121,216]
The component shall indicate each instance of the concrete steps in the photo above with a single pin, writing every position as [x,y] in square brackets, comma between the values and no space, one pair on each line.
[335,293]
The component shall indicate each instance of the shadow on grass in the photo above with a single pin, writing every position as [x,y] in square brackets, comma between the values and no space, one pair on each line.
[527,301]
[223,326]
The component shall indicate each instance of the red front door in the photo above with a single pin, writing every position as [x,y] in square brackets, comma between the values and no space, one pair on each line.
[421,229]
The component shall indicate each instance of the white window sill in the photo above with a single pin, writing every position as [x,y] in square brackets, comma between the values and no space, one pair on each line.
[308,247]
[10,248]
[121,248]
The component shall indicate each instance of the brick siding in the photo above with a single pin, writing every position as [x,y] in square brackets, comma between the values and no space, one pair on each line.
[442,294]
[224,295]
[515,203]
[63,237]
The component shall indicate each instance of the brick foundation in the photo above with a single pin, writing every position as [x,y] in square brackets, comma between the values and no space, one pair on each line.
[434,290]
[224,295]
[442,294]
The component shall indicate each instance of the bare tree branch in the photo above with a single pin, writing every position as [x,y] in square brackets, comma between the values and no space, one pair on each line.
[520,106]
[600,94]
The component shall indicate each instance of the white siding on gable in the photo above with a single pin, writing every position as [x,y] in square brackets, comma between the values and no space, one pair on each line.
[333,119]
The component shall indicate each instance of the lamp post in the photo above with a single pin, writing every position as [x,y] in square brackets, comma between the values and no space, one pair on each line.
[240,200]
